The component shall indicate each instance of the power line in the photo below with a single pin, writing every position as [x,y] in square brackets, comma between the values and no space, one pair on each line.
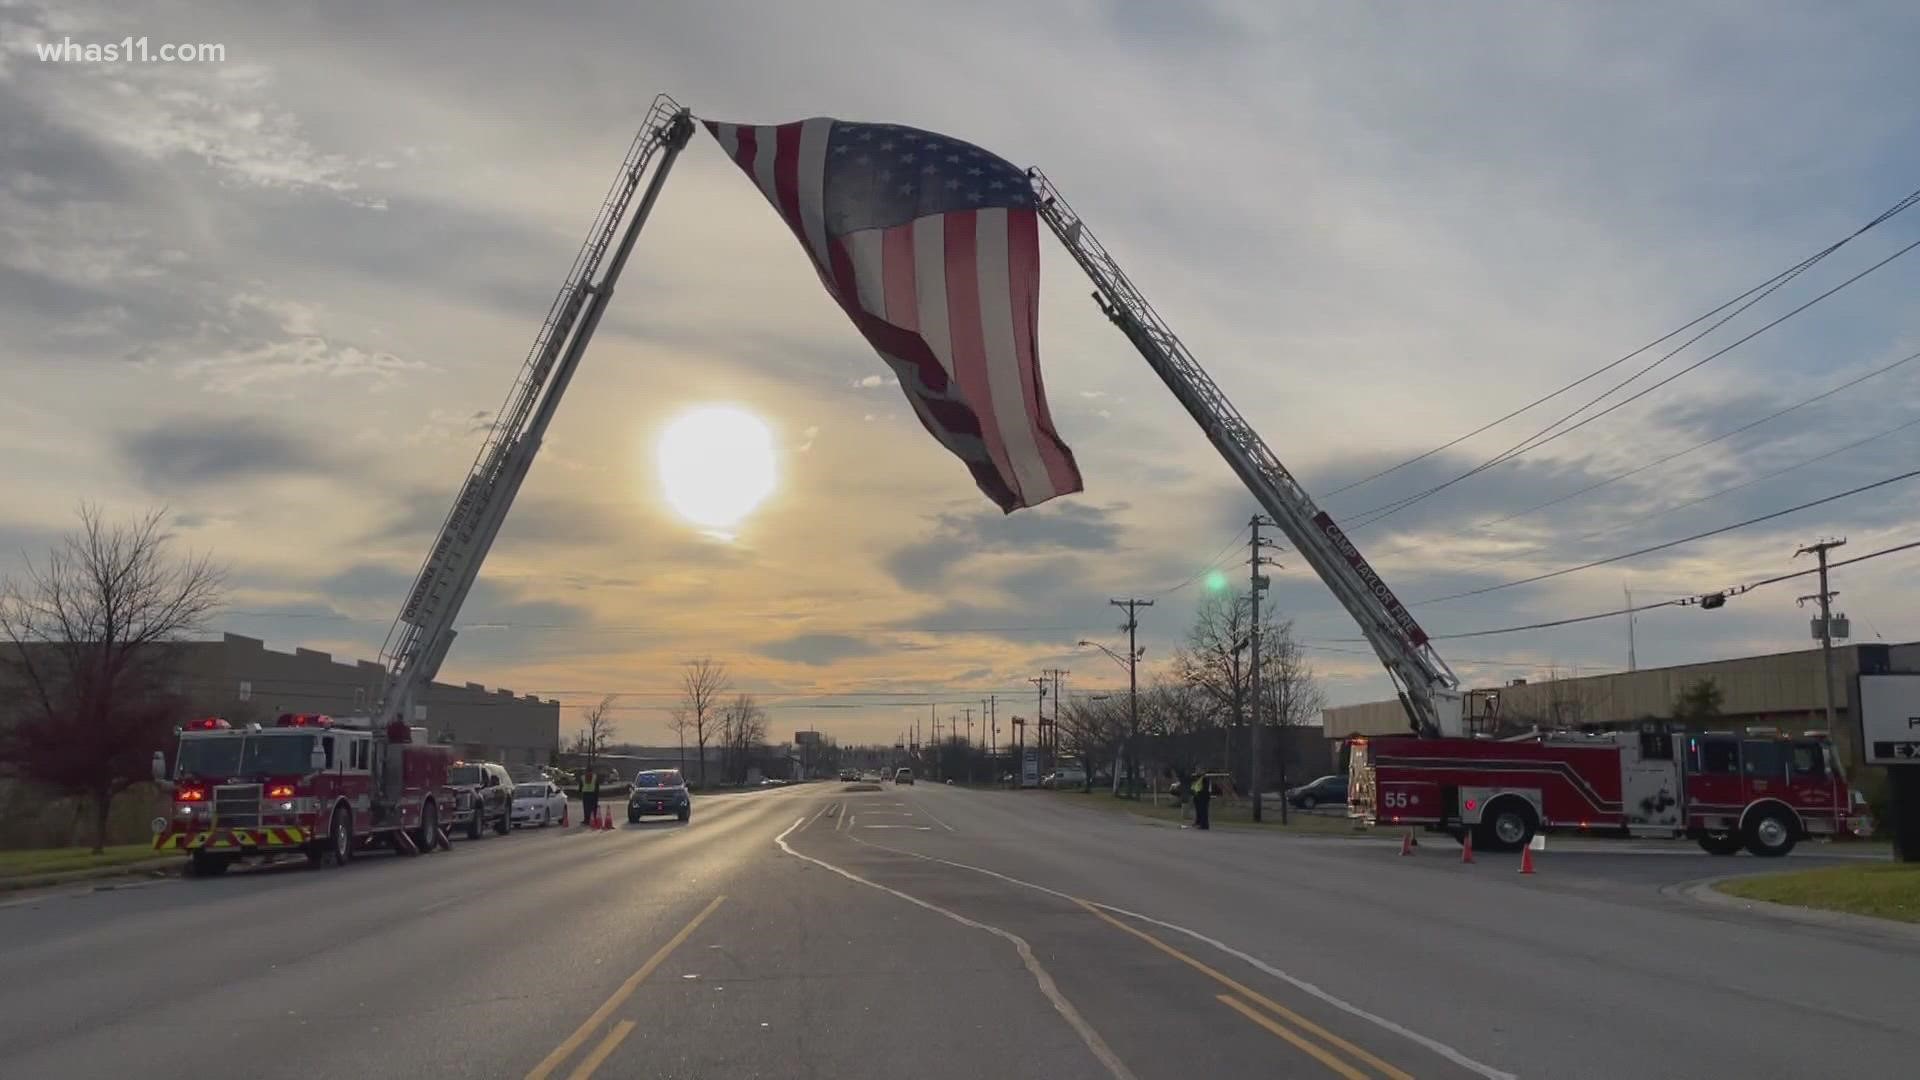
[1768,285]
[1211,565]
[1548,434]
[1723,436]
[1679,601]
[1801,464]
[1671,543]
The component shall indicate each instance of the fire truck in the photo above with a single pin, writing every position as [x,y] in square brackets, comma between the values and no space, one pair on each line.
[1759,789]
[305,786]
[327,787]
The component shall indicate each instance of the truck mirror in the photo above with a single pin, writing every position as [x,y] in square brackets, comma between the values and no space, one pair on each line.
[159,766]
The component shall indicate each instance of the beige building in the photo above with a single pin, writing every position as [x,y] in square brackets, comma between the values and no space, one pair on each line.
[243,680]
[1780,689]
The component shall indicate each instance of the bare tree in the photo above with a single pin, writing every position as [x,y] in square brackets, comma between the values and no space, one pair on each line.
[1093,731]
[702,683]
[1218,662]
[743,726]
[598,731]
[88,669]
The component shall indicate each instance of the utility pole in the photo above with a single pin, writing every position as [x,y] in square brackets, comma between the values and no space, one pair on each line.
[1039,717]
[993,738]
[1819,549]
[1257,585]
[968,746]
[1053,752]
[1133,692]
[1633,663]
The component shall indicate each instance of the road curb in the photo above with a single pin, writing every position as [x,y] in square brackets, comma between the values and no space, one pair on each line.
[168,866]
[1704,893]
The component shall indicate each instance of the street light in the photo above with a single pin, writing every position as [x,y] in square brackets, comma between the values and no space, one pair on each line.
[1130,663]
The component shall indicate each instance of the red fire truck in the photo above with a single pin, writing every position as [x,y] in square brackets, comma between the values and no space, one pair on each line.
[308,785]
[1758,789]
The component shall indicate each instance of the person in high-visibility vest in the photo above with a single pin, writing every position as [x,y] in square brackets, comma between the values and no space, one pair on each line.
[1202,795]
[589,796]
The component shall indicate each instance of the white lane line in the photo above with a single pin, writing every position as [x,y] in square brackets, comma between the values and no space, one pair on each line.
[1300,984]
[915,828]
[936,819]
[1061,1005]
[816,816]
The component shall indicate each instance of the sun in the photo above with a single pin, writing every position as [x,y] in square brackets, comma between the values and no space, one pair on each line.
[716,464]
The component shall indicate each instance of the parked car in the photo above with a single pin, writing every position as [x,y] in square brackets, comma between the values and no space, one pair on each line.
[849,775]
[903,776]
[1324,791]
[538,802]
[483,795]
[1069,777]
[659,792]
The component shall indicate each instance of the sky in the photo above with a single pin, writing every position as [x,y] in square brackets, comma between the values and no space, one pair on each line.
[281,295]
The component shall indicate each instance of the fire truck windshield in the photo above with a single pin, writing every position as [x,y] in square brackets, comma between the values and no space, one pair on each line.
[268,753]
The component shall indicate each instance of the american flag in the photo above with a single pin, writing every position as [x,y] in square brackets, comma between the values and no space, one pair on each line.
[932,247]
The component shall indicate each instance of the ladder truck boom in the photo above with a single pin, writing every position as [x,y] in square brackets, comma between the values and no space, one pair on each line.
[423,632]
[1428,688]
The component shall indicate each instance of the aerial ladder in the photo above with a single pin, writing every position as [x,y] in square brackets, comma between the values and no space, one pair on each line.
[424,630]
[1428,688]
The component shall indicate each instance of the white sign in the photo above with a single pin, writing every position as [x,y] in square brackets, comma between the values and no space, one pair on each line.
[1890,719]
[1030,767]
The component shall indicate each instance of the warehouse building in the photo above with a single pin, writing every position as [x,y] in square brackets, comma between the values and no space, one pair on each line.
[242,680]
[1783,690]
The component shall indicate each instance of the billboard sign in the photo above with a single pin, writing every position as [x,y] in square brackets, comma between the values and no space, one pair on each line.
[1890,719]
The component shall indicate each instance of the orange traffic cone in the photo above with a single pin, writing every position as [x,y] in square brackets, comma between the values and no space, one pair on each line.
[1406,843]
[606,819]
[1466,848]
[1526,859]
[600,821]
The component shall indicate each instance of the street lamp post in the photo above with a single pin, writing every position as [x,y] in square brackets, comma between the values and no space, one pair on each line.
[1131,663]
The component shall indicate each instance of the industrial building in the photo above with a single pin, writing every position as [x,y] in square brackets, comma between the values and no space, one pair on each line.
[1783,690]
[241,679]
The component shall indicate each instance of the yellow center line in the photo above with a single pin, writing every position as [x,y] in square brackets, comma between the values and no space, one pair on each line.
[1252,995]
[1277,1028]
[592,1061]
[560,1053]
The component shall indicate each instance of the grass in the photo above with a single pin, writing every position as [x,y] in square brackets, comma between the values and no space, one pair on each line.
[1239,816]
[1887,891]
[35,862]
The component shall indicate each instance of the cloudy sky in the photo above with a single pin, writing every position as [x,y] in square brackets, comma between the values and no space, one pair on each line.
[282,294]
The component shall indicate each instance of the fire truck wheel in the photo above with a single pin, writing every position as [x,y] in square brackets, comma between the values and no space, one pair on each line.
[209,863]
[1721,843]
[340,836]
[430,825]
[1769,834]
[1506,826]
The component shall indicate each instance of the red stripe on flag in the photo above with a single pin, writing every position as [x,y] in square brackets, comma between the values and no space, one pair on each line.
[1023,278]
[786,177]
[902,293]
[967,343]
[745,147]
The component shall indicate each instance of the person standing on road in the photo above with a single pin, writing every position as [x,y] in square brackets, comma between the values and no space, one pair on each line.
[589,796]
[1202,795]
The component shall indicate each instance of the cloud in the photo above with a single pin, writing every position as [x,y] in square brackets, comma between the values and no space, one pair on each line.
[194,452]
[817,649]
[956,537]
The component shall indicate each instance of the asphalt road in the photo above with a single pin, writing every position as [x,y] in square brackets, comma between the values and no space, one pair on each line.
[934,932]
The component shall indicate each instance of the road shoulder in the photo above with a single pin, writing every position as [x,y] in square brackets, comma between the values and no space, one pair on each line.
[1704,892]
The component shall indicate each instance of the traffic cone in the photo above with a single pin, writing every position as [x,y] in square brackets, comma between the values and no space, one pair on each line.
[606,820]
[1526,859]
[1406,843]
[564,811]
[1466,848]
